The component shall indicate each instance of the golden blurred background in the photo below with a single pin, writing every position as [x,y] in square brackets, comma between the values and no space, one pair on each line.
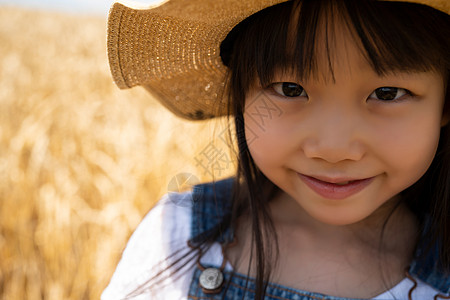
[81,162]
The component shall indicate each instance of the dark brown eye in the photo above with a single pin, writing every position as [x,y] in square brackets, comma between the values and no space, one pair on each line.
[289,89]
[388,93]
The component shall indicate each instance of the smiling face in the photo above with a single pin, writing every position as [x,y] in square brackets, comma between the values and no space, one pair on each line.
[342,146]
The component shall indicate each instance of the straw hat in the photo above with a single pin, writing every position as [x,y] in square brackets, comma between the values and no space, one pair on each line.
[173,49]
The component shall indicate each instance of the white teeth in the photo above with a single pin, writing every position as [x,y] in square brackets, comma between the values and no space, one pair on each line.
[342,183]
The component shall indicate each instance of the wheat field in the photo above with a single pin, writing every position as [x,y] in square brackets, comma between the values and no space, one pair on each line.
[81,162]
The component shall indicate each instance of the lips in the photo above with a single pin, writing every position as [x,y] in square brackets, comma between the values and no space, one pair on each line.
[335,188]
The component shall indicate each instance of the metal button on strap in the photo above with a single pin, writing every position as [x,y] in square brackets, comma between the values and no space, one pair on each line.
[211,279]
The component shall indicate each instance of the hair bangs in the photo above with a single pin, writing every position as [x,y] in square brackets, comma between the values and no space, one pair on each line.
[286,38]
[397,42]
[409,37]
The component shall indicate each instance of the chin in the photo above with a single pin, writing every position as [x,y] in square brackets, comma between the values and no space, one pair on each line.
[338,218]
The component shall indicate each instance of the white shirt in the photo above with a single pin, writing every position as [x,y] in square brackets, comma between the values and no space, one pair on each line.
[166,229]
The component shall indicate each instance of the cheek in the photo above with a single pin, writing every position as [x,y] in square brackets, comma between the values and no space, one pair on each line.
[258,120]
[268,137]
[260,141]
[410,147]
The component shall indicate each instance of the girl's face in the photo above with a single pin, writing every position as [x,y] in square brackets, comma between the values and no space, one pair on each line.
[343,147]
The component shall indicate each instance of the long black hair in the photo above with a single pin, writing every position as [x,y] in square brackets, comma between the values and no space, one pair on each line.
[393,36]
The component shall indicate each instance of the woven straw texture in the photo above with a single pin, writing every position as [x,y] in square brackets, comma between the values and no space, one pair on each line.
[173,50]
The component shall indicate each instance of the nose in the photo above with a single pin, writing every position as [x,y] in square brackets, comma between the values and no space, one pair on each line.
[335,137]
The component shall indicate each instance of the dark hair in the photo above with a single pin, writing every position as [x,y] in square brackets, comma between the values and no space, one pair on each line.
[415,38]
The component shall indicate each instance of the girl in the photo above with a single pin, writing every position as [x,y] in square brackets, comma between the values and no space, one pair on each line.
[341,117]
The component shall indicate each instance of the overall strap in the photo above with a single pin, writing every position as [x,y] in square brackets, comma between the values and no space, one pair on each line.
[426,268]
[212,202]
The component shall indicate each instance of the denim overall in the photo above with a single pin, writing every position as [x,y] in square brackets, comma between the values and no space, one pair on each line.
[212,201]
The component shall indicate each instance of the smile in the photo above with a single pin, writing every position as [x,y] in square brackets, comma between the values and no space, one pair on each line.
[335,189]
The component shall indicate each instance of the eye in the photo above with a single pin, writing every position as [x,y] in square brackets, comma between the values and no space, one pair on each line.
[389,93]
[289,89]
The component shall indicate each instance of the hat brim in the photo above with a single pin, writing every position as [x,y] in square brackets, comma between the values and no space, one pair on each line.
[173,50]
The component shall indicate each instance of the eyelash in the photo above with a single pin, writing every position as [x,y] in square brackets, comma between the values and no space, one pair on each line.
[272,88]
[394,100]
